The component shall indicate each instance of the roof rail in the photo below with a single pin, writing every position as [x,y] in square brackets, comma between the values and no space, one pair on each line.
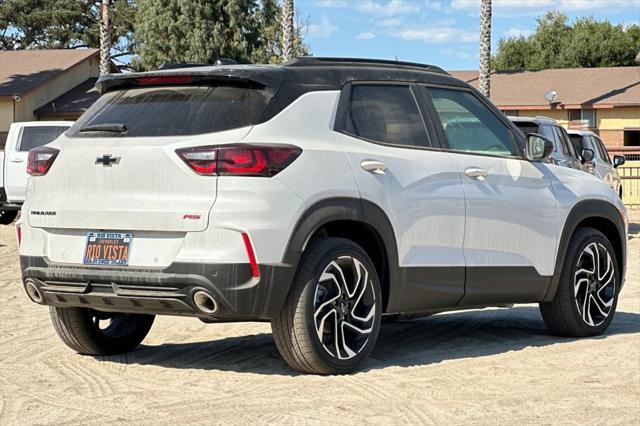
[302,61]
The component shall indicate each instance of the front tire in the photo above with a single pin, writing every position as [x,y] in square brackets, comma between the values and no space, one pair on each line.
[587,294]
[331,318]
[90,332]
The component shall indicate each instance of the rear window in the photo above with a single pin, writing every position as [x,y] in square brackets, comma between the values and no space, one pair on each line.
[173,110]
[33,137]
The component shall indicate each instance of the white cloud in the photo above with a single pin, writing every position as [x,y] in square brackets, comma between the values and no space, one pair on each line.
[322,30]
[367,35]
[518,32]
[437,35]
[389,22]
[390,8]
[332,3]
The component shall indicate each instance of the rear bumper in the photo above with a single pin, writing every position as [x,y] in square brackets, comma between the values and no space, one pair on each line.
[166,291]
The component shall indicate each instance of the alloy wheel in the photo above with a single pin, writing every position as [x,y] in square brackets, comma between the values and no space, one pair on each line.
[344,307]
[594,284]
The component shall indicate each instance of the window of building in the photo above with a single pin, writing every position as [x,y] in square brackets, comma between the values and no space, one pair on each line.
[586,116]
[511,112]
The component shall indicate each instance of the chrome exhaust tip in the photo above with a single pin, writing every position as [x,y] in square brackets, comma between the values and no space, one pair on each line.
[205,302]
[33,292]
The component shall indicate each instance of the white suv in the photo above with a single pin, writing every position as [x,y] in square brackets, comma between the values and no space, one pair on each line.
[318,195]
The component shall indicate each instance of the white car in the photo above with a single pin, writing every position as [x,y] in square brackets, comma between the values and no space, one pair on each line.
[601,165]
[318,195]
[21,138]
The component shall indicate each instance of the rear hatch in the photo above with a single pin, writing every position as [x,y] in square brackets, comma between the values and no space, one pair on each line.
[117,168]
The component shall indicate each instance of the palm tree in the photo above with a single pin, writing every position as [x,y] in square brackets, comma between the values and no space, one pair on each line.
[485,47]
[287,29]
[105,38]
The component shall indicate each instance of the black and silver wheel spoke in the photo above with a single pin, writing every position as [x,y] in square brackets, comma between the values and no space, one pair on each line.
[594,284]
[344,307]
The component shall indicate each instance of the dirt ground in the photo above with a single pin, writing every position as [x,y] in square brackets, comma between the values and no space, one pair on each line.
[477,367]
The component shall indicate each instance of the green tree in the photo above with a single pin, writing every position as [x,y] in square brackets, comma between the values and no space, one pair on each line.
[558,44]
[50,24]
[196,31]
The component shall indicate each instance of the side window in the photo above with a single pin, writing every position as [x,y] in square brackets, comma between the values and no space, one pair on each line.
[470,126]
[604,155]
[578,143]
[566,142]
[548,132]
[33,137]
[385,113]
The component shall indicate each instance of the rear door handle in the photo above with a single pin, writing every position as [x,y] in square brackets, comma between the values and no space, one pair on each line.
[373,166]
[17,160]
[476,173]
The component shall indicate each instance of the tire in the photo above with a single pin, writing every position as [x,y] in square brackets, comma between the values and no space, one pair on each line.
[587,295]
[8,216]
[80,329]
[318,309]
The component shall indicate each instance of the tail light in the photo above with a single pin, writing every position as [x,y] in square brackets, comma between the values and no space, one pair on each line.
[19,234]
[40,160]
[239,159]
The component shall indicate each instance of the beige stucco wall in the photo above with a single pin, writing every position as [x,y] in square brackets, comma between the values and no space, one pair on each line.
[55,87]
[6,114]
[618,118]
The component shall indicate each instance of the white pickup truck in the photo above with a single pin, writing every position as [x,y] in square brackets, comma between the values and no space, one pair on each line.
[13,161]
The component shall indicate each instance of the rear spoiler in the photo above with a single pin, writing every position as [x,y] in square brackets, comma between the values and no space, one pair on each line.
[253,76]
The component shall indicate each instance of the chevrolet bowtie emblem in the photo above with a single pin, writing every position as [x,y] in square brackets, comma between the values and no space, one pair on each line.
[107,160]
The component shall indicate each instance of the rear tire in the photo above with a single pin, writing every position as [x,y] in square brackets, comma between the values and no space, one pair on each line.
[80,329]
[8,216]
[587,294]
[331,318]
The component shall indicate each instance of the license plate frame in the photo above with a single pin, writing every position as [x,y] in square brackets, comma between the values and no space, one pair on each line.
[107,248]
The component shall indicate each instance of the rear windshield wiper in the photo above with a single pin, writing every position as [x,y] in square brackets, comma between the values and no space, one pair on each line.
[105,127]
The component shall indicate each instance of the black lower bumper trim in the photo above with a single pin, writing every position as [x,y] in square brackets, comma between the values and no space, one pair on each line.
[166,291]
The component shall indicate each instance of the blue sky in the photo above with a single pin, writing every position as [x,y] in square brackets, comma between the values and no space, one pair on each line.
[440,32]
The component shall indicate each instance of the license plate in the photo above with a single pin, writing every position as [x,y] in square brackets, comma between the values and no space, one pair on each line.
[108,248]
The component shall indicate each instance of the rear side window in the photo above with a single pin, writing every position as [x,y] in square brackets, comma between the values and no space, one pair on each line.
[577,142]
[33,137]
[470,126]
[387,114]
[174,110]
[527,127]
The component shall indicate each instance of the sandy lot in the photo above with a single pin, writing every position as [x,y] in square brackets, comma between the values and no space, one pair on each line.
[479,367]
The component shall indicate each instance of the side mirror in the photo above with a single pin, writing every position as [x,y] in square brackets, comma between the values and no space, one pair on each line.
[538,147]
[587,155]
[618,160]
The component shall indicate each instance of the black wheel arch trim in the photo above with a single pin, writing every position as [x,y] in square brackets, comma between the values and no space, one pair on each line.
[346,208]
[585,210]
